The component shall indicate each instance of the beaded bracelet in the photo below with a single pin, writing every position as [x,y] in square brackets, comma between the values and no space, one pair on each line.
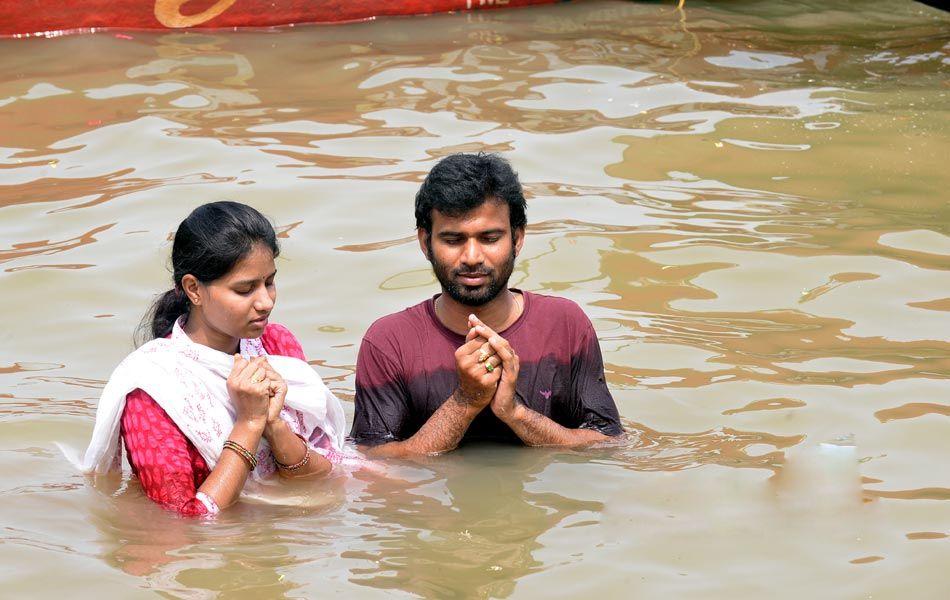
[303,461]
[243,452]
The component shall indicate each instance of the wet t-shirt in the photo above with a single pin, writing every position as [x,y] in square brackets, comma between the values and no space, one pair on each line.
[406,370]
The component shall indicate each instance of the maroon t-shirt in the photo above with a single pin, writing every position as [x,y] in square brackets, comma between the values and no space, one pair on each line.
[406,370]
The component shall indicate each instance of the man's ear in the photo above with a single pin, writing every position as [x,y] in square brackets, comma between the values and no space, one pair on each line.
[425,243]
[518,235]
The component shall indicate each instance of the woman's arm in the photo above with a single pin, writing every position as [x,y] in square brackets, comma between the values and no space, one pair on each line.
[167,464]
[293,455]
[169,467]
[172,473]
[288,449]
[250,394]
[226,480]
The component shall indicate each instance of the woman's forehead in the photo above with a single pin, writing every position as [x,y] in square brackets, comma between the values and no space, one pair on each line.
[258,262]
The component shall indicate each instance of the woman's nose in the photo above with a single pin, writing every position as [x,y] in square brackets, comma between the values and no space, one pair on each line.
[263,301]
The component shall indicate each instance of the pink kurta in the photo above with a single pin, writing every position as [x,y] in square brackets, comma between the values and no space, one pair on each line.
[167,463]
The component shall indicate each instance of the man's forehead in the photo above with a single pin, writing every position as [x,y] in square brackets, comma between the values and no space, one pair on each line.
[491,214]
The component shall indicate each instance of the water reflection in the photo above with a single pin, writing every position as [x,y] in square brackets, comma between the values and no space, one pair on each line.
[234,555]
[47,247]
[748,198]
[217,79]
[459,531]
[666,451]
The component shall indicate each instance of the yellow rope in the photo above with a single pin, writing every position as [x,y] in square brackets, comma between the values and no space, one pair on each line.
[690,34]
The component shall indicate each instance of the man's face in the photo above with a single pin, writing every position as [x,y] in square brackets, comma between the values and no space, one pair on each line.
[473,255]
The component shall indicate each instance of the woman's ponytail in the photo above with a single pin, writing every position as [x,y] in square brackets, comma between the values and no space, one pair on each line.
[169,306]
[161,316]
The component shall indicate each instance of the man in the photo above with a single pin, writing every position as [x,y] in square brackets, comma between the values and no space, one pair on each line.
[479,360]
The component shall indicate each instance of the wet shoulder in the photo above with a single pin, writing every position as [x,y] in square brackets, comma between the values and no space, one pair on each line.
[555,307]
[555,326]
[399,328]
[555,323]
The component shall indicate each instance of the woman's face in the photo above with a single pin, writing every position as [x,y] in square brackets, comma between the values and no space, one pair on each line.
[238,304]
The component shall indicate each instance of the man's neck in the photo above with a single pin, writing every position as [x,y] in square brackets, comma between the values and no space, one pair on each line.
[499,313]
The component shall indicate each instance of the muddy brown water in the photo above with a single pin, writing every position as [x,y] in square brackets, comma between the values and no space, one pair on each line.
[749,199]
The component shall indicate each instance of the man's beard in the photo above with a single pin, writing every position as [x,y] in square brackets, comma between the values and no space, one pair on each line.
[497,281]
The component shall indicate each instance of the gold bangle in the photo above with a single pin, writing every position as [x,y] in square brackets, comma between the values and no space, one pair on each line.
[243,452]
[302,462]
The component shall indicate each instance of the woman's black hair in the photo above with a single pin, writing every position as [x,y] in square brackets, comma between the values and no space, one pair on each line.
[208,243]
[460,183]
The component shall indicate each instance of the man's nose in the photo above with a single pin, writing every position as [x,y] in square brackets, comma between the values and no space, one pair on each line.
[472,254]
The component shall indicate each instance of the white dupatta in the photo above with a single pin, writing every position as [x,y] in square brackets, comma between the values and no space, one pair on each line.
[189,381]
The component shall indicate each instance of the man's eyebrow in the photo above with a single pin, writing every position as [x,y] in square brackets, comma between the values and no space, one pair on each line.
[451,233]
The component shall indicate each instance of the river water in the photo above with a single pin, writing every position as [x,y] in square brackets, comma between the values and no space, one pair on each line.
[749,199]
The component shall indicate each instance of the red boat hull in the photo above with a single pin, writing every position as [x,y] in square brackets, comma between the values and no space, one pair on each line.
[38,17]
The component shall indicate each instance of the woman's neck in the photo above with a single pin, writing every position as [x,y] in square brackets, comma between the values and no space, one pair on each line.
[200,332]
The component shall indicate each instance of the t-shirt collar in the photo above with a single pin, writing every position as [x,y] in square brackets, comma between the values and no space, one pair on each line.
[430,310]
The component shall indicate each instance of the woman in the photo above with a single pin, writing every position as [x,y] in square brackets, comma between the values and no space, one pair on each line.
[219,394]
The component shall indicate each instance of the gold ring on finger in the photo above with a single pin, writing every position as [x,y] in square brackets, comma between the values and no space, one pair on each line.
[489,367]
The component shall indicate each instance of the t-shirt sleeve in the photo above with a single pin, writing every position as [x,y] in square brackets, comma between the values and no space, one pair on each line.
[594,407]
[381,411]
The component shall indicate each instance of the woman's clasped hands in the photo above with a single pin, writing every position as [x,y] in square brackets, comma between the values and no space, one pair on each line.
[257,391]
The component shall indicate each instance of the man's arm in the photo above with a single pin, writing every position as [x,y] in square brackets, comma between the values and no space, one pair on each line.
[535,429]
[441,433]
[444,429]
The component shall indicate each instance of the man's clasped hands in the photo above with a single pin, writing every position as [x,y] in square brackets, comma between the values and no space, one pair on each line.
[487,370]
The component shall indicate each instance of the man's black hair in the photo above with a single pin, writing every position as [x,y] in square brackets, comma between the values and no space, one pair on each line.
[460,183]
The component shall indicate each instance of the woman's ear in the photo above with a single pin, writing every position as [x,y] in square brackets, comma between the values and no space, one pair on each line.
[192,288]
